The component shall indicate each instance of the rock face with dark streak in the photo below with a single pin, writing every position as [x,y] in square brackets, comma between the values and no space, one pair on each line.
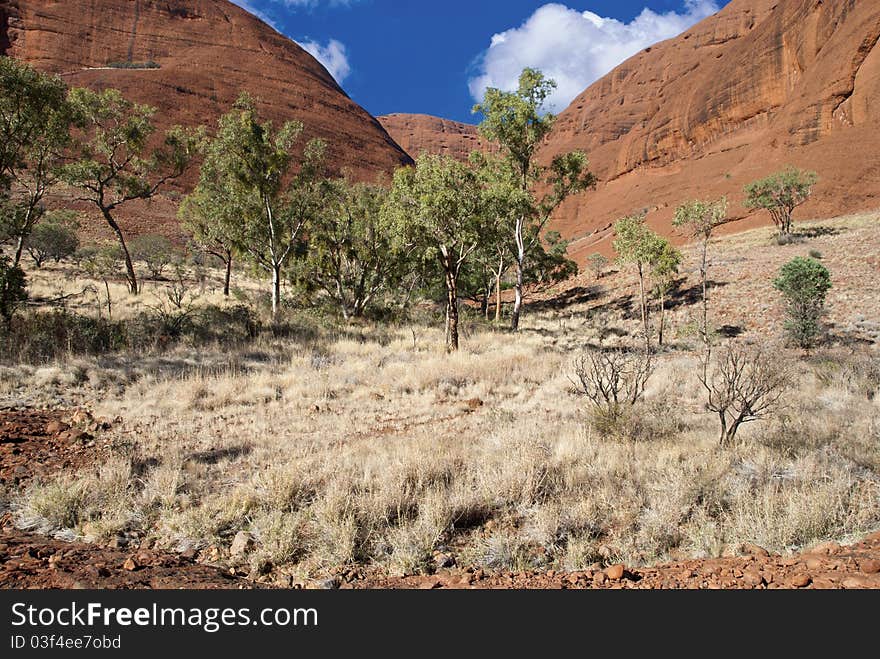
[418,133]
[760,85]
[208,52]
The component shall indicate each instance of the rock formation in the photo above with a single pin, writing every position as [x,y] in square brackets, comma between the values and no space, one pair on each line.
[761,84]
[418,133]
[207,52]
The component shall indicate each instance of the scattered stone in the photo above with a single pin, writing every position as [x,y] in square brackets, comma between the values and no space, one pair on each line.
[752,578]
[869,566]
[824,584]
[827,548]
[326,584]
[801,580]
[600,578]
[117,542]
[431,584]
[242,544]
[857,581]
[56,427]
[814,563]
[755,550]
[130,564]
[615,572]
[443,561]
[80,417]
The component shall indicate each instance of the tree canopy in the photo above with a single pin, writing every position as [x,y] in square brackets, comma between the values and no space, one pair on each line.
[780,194]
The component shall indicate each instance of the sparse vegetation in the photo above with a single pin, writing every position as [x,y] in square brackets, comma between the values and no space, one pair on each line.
[383,465]
[744,384]
[134,65]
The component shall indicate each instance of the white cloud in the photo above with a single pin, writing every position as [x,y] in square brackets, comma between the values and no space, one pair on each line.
[575,49]
[333,56]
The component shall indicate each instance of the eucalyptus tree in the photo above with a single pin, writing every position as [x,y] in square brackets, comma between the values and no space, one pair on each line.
[636,244]
[701,218]
[516,122]
[209,214]
[664,261]
[35,127]
[118,160]
[270,194]
[352,255]
[439,208]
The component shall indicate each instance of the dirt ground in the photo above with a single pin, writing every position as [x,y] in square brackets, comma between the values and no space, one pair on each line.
[34,443]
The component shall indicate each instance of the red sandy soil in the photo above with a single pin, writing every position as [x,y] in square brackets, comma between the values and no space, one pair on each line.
[34,443]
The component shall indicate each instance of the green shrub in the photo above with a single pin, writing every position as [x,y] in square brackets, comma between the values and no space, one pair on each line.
[154,251]
[51,240]
[804,284]
[150,64]
[43,336]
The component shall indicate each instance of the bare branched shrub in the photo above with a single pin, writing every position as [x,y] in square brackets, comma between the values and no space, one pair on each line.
[613,380]
[743,384]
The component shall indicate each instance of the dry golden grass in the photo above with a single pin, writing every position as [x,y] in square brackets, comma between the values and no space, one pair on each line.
[87,295]
[353,451]
[371,445]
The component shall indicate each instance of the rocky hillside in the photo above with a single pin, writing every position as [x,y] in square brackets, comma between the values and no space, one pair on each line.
[761,84]
[207,52]
[418,133]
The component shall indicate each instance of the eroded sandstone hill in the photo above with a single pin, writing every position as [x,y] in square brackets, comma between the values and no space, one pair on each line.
[208,51]
[418,133]
[761,84]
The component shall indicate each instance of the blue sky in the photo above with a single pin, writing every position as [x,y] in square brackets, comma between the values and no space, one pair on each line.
[437,58]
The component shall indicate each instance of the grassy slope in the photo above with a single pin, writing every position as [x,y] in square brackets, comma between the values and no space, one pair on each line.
[370,445]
